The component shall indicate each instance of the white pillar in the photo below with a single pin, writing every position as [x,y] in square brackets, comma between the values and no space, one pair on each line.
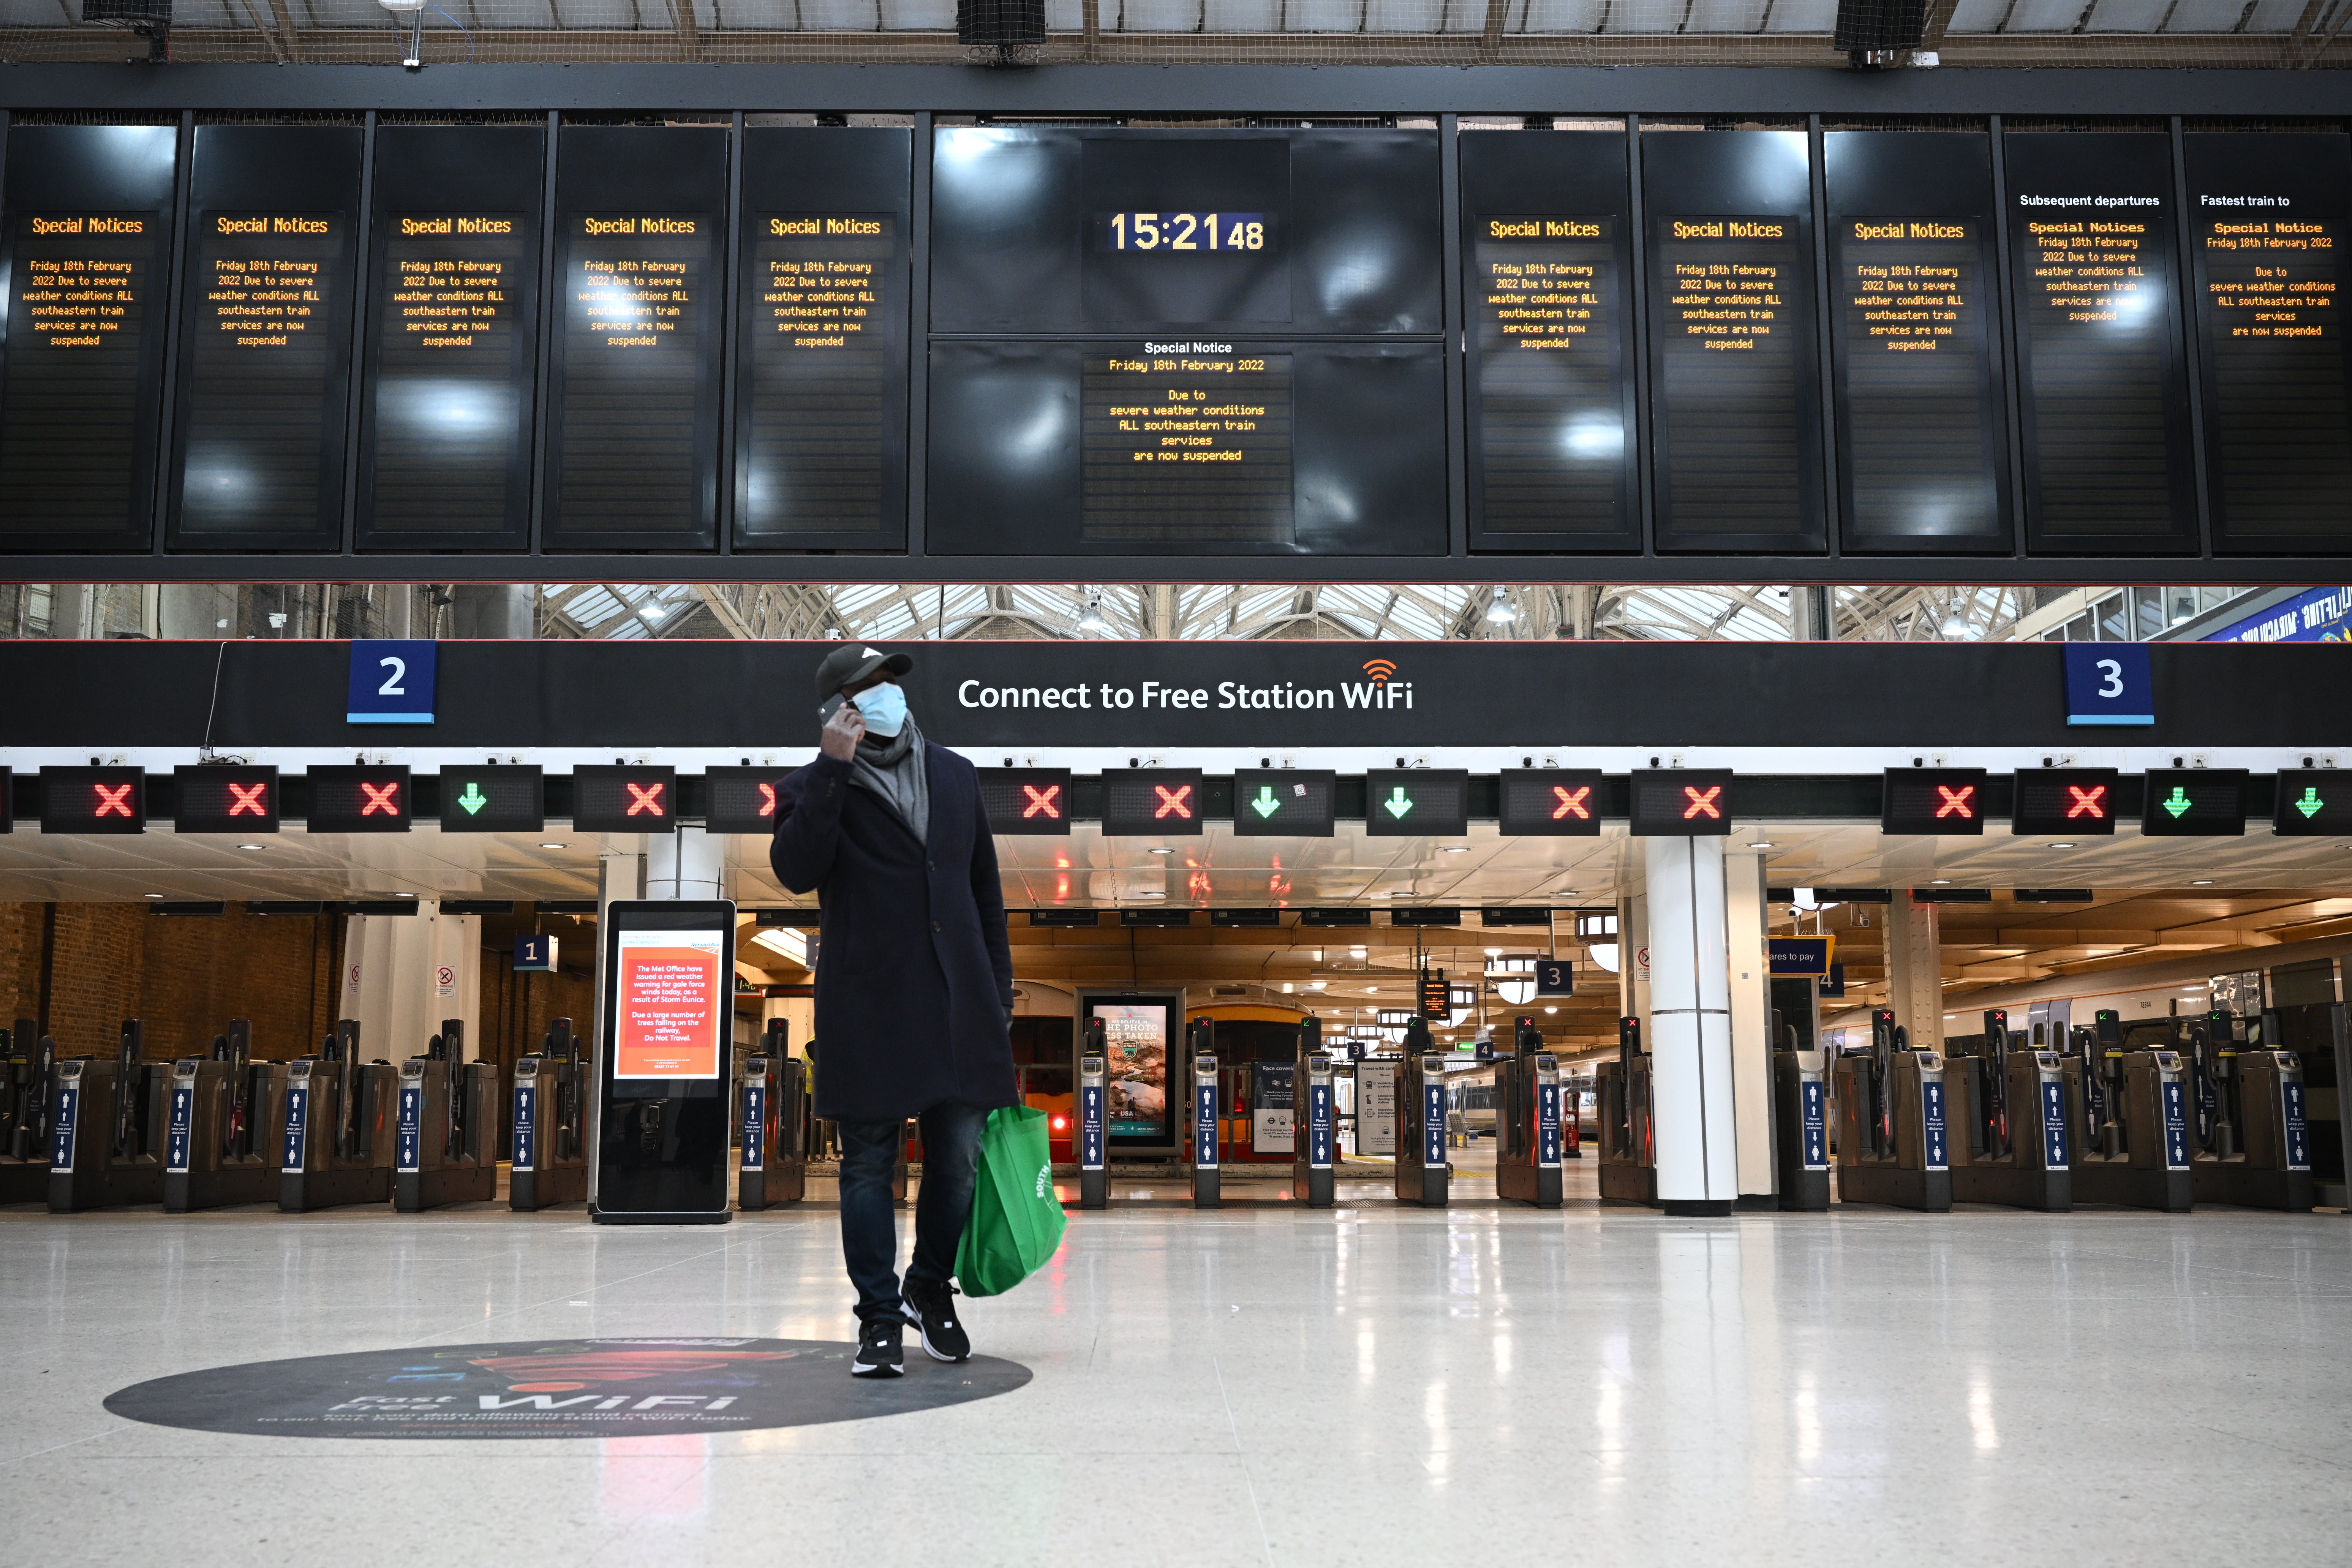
[689,863]
[1751,1019]
[1690,1029]
[393,981]
[1914,969]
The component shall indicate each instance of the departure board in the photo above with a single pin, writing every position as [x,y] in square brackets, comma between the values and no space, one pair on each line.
[445,450]
[2107,460]
[264,367]
[820,366]
[1922,427]
[632,428]
[1545,296]
[1190,444]
[1736,399]
[2266,222]
[88,250]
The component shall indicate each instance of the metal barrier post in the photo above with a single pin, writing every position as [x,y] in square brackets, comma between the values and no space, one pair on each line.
[1093,1162]
[1206,1175]
[1313,1168]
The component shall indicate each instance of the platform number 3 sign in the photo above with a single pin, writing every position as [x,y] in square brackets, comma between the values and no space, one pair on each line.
[2109,683]
[391,683]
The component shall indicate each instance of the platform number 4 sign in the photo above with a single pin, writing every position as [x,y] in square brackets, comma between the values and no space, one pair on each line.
[2109,683]
[391,683]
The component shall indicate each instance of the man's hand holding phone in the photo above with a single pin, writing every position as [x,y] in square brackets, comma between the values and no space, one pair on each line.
[841,732]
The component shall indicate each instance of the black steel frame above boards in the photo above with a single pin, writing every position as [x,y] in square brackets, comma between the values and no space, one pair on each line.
[1780,243]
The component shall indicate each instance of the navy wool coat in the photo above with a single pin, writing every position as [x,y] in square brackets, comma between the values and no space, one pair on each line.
[914,979]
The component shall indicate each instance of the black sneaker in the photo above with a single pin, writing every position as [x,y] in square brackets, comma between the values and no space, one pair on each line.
[878,1352]
[931,1309]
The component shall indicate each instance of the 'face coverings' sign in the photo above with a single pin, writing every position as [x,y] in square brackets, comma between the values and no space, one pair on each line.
[671,1004]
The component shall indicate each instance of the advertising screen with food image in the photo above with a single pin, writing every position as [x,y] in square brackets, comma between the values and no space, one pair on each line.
[672,1002]
[1136,1037]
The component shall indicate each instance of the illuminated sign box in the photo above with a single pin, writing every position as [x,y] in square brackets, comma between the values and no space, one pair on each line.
[1283,803]
[362,798]
[2311,802]
[1031,801]
[1938,801]
[1152,803]
[1682,803]
[743,800]
[494,799]
[1546,801]
[2063,802]
[1405,802]
[624,799]
[2194,803]
[237,799]
[93,800]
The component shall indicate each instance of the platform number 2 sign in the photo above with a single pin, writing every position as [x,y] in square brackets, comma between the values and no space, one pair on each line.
[2109,683]
[391,683]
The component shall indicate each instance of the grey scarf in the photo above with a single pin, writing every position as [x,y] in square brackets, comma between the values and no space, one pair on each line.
[893,769]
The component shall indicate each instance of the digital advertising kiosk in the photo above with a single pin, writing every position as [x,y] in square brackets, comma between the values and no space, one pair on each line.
[664,1033]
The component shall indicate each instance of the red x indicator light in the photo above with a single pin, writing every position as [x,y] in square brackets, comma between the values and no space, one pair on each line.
[113,800]
[645,800]
[246,800]
[1044,802]
[1959,802]
[767,800]
[2089,802]
[383,799]
[1572,803]
[1176,801]
[1701,802]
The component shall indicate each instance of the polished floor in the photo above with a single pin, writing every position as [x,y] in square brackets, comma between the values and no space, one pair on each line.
[1266,1385]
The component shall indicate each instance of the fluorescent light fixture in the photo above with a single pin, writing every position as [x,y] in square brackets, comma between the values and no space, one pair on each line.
[2070,845]
[1603,954]
[787,939]
[253,846]
[552,846]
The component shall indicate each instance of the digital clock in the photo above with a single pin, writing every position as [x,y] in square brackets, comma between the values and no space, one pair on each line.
[1182,231]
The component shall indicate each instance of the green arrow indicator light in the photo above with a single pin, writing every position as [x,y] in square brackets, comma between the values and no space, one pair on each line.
[472,800]
[2178,802]
[1265,805]
[2310,804]
[1397,803]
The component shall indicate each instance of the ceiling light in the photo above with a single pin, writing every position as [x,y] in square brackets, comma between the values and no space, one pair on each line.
[1501,610]
[1356,953]
[1493,952]
[1551,1009]
[1150,895]
[1940,882]
[2066,846]
[1316,984]
[150,895]
[1763,844]
[552,845]
[1456,848]
[253,846]
[1956,628]
[1092,621]
[1603,954]
[1163,851]
[2203,882]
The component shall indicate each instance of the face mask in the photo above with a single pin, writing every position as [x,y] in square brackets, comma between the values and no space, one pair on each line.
[885,708]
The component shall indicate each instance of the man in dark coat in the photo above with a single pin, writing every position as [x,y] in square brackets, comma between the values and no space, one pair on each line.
[914,985]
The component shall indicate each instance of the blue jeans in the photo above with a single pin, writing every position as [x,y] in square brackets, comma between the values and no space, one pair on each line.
[869,1223]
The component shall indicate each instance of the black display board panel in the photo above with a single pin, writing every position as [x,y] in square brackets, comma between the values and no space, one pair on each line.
[451,343]
[88,254]
[1023,236]
[1736,448]
[2266,233]
[1339,447]
[263,401]
[1922,417]
[634,381]
[1547,293]
[821,363]
[2102,377]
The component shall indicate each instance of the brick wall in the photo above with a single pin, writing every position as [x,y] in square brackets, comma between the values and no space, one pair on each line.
[185,977]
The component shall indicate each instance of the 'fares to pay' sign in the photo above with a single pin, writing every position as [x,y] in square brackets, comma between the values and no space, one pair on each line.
[671,1004]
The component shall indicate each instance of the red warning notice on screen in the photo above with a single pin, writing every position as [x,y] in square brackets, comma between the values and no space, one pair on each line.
[671,1003]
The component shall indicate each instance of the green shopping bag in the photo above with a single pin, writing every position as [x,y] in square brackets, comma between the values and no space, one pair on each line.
[1016,1221]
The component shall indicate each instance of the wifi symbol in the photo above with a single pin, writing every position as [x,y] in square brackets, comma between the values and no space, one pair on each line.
[1379,670]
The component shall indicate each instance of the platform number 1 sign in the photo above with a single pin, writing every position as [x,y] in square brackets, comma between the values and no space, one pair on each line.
[2109,683]
[391,683]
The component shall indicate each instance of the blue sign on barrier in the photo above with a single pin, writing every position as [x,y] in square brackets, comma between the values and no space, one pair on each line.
[1204,1123]
[2298,1149]
[2176,1126]
[1813,1101]
[525,1131]
[408,1146]
[1318,1126]
[1548,1124]
[177,1138]
[297,1130]
[2053,1126]
[61,1148]
[1090,1127]
[1931,1116]
[1433,1123]
[2109,683]
[391,683]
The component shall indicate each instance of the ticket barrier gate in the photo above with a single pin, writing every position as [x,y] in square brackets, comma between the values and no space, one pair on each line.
[1892,1146]
[443,1129]
[547,1156]
[1315,1137]
[334,1150]
[107,1123]
[2253,1141]
[1208,1190]
[1800,1129]
[774,1165]
[1629,1150]
[1093,1140]
[1528,1139]
[2009,1142]
[220,1138]
[2128,1112]
[1421,1174]
[28,1071]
